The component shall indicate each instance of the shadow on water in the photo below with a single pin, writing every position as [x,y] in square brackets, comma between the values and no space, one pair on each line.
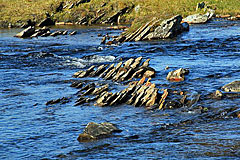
[33,71]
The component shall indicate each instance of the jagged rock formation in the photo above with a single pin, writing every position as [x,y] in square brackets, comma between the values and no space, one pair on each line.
[31,32]
[137,93]
[152,30]
[128,70]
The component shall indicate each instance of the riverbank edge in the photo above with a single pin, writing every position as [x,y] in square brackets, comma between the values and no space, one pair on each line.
[133,15]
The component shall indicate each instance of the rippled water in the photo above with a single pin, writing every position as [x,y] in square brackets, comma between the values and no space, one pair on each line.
[34,71]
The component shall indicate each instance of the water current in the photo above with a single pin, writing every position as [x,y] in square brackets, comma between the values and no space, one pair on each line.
[34,71]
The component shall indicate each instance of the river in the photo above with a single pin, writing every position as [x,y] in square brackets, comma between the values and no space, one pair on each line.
[34,71]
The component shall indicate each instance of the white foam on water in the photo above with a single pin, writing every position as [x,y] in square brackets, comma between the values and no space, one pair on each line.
[81,63]
[101,59]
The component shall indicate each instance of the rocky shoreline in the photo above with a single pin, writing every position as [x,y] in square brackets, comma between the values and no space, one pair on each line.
[101,16]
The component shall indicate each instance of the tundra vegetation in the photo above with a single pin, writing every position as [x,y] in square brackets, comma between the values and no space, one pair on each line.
[18,11]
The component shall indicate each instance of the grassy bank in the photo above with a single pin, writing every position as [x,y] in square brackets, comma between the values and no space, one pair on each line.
[18,11]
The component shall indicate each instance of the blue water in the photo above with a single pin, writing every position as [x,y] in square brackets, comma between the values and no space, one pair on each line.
[34,71]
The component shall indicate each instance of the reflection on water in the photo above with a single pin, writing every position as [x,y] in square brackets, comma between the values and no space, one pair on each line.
[34,71]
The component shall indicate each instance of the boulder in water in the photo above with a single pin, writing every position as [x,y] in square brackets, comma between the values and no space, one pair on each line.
[95,131]
[177,75]
[232,87]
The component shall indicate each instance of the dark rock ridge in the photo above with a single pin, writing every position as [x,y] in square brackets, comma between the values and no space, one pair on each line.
[28,24]
[100,17]
[151,30]
[95,131]
[62,100]
[46,22]
[31,32]
[26,32]
[114,17]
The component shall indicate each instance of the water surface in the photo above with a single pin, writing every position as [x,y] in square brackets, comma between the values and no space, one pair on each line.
[34,71]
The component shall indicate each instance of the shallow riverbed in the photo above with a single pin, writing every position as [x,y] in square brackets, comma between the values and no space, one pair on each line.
[34,71]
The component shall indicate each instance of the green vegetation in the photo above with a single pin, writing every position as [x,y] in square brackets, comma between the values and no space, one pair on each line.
[18,11]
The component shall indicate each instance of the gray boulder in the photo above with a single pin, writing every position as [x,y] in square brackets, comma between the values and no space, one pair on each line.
[95,131]
[199,18]
[168,28]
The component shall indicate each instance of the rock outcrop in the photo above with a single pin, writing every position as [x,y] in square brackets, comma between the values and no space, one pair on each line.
[95,131]
[46,22]
[114,17]
[152,30]
[168,29]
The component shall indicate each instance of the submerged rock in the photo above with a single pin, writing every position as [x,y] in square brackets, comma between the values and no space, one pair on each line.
[95,131]
[216,95]
[62,100]
[232,87]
